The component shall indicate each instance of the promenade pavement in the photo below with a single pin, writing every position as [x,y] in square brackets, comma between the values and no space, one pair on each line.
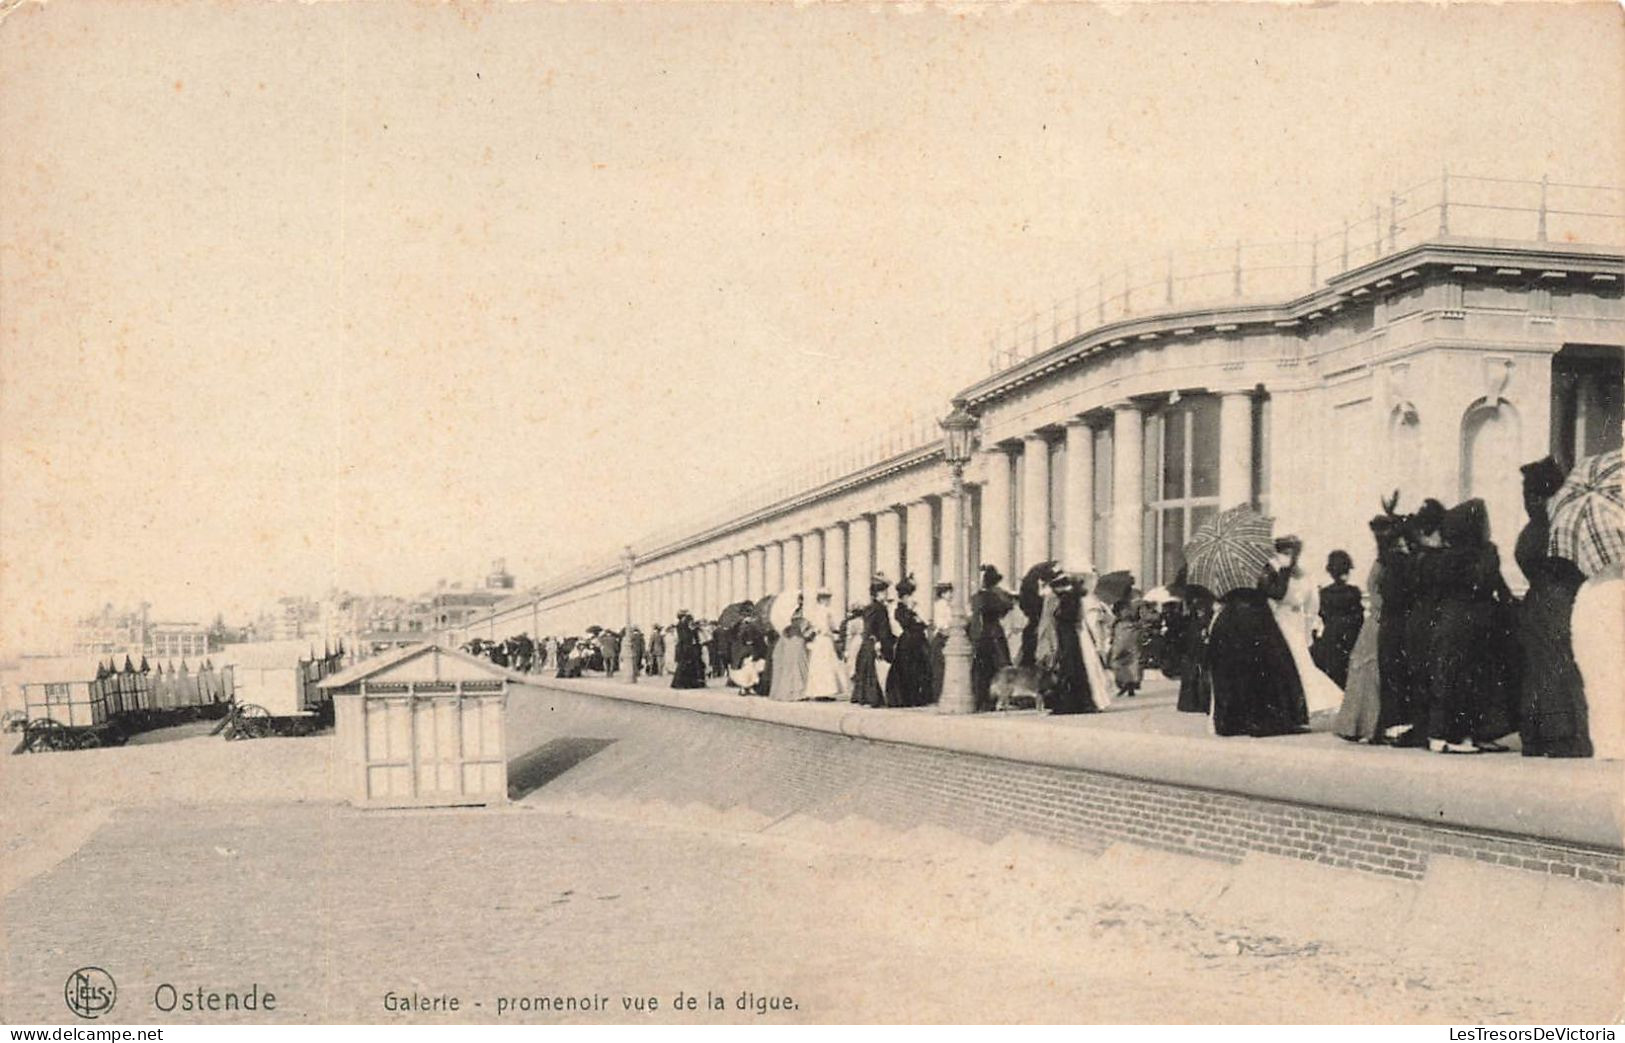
[197,862]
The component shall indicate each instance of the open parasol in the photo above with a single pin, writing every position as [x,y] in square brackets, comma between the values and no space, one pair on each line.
[1114,586]
[1588,515]
[1229,552]
[732,615]
[783,609]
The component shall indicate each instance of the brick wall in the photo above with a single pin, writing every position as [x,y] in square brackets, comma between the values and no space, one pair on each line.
[679,756]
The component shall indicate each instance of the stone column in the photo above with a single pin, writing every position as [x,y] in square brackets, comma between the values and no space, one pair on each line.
[792,562]
[996,550]
[889,543]
[1035,501]
[1078,519]
[1128,498]
[773,572]
[812,561]
[835,568]
[756,567]
[1235,449]
[919,548]
[953,534]
[713,589]
[741,576]
[725,581]
[859,540]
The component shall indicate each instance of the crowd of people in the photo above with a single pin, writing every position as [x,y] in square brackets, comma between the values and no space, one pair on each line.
[1436,653]
[1447,659]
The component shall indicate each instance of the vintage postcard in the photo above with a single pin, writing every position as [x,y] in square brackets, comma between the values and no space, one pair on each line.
[662,513]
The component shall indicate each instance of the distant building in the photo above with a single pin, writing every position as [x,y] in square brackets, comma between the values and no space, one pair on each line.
[178,641]
[131,632]
[499,578]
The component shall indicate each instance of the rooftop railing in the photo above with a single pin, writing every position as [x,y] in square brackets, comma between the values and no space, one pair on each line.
[1448,206]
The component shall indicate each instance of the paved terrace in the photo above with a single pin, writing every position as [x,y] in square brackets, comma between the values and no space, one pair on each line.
[1570,802]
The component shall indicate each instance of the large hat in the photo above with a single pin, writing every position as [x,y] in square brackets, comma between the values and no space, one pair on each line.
[991,576]
[878,583]
[1542,478]
[1429,517]
[824,594]
[905,586]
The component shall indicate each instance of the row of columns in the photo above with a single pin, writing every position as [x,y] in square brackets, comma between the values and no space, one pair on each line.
[840,557]
[1016,536]
[1013,536]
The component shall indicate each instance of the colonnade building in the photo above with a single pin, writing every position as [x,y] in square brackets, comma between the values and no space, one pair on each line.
[1435,365]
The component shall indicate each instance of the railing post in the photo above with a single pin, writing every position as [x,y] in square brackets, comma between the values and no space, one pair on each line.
[1035,332]
[1314,263]
[1128,291]
[1238,268]
[1376,231]
[1444,202]
[1541,234]
[1077,311]
[1100,298]
[1393,221]
[1170,277]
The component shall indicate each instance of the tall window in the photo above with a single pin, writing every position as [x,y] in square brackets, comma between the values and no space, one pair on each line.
[1057,498]
[1586,389]
[1018,500]
[1181,482]
[1102,529]
[1261,453]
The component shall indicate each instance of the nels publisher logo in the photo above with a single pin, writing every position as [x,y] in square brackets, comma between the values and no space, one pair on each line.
[90,992]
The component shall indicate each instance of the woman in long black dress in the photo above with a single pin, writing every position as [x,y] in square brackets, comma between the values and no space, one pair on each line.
[878,645]
[1070,692]
[690,671]
[1342,613]
[1552,715]
[909,683]
[1465,576]
[1195,676]
[1423,543]
[990,650]
[1256,690]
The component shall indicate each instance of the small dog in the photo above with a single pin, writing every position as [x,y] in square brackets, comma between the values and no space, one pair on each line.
[1012,683]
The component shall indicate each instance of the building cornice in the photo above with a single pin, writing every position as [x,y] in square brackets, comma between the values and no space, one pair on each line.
[1369,281]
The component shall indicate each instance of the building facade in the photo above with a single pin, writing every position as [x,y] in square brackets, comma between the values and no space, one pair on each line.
[1434,367]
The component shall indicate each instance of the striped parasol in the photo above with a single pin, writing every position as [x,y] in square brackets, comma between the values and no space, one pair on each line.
[1588,515]
[1229,552]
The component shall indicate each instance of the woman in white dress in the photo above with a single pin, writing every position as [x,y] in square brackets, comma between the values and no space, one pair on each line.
[1598,609]
[1093,662]
[825,676]
[1297,613]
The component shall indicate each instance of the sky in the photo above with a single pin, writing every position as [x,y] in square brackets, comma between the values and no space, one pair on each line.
[366,295]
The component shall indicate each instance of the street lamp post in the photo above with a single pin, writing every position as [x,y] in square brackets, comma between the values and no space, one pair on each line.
[629,662]
[959,431]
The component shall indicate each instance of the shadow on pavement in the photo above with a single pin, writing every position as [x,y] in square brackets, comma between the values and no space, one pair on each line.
[532,770]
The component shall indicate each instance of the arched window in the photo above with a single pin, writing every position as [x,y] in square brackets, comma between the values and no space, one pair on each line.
[1181,482]
[1490,457]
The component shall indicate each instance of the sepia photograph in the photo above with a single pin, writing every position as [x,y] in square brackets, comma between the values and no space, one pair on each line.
[804,513]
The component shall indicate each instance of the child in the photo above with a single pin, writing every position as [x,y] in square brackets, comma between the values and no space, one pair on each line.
[1126,669]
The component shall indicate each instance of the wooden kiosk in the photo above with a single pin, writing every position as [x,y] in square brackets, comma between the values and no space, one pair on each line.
[422,726]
